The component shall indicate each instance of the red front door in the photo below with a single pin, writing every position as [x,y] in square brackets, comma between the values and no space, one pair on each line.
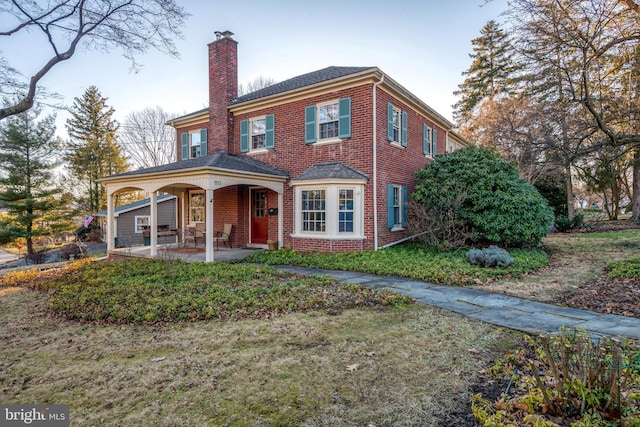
[259,220]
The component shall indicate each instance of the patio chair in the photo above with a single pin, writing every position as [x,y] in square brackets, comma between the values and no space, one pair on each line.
[224,236]
[192,234]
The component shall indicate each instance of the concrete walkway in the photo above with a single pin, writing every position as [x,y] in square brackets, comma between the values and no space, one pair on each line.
[502,310]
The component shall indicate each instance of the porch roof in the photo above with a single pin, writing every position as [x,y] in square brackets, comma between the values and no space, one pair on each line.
[219,160]
[335,170]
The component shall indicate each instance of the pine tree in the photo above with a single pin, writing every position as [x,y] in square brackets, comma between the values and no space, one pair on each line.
[492,71]
[95,151]
[29,153]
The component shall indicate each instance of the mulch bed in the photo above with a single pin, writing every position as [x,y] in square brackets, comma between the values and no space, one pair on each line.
[607,296]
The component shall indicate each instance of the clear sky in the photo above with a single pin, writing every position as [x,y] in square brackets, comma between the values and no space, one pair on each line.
[422,44]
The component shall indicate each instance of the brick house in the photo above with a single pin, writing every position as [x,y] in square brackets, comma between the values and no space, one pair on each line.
[324,161]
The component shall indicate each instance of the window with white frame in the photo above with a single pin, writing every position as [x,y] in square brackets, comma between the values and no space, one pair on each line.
[329,211]
[258,133]
[196,207]
[397,201]
[141,222]
[345,210]
[313,210]
[396,124]
[196,142]
[328,120]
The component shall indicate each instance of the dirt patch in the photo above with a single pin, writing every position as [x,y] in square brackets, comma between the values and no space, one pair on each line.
[607,296]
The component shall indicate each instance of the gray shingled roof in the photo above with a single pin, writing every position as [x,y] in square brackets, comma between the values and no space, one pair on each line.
[298,82]
[336,170]
[219,160]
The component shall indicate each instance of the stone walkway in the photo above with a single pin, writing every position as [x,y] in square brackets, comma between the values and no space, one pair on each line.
[502,310]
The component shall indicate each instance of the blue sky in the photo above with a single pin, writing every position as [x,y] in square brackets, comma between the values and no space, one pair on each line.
[422,44]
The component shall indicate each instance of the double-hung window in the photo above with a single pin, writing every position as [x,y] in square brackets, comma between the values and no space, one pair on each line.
[196,207]
[257,134]
[345,210]
[258,130]
[327,122]
[313,210]
[397,201]
[194,144]
[396,125]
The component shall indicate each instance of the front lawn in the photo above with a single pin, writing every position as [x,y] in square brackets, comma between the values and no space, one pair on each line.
[411,260]
[141,290]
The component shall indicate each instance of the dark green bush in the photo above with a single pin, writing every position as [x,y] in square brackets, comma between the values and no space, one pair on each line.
[495,204]
[563,223]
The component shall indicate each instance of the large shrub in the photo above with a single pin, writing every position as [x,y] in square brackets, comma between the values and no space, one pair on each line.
[493,204]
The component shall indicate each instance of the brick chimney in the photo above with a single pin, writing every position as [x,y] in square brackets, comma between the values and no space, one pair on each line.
[223,87]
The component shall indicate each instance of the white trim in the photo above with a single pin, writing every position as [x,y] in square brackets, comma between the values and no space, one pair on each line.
[136,225]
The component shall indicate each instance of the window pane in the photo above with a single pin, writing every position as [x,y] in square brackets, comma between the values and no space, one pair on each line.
[328,120]
[345,210]
[313,210]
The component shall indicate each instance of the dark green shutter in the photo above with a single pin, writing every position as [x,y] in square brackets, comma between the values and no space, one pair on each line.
[390,121]
[269,131]
[425,139]
[403,137]
[390,219]
[405,204]
[244,136]
[344,118]
[185,145]
[310,124]
[434,139]
[203,142]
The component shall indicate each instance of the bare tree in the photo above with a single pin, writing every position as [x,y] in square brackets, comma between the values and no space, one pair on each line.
[65,25]
[146,138]
[258,83]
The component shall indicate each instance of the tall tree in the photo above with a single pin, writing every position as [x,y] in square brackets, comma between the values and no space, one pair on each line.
[492,72]
[29,153]
[66,25]
[146,138]
[94,149]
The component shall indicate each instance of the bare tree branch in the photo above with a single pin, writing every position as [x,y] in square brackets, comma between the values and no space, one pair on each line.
[131,25]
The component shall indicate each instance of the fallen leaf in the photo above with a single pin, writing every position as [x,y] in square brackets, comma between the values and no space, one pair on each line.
[522,406]
[371,353]
[353,367]
[157,359]
[473,350]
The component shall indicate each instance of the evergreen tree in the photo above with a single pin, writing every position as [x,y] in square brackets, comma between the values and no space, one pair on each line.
[492,71]
[29,152]
[95,151]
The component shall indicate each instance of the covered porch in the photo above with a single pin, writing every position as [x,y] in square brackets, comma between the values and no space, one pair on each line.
[211,191]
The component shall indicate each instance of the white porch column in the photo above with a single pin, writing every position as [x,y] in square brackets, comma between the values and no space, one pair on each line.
[280,220]
[110,223]
[208,225]
[183,219]
[153,223]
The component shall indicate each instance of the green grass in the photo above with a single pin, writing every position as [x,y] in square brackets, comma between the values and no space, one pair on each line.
[413,261]
[142,290]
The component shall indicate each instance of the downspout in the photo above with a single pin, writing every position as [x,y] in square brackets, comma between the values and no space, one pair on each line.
[375,165]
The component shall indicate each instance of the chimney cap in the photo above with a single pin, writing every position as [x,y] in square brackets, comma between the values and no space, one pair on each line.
[223,34]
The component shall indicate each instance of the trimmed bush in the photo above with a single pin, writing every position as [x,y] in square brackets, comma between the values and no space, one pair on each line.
[492,256]
[495,204]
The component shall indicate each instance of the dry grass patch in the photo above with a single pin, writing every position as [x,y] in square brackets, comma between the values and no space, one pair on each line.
[408,366]
[576,260]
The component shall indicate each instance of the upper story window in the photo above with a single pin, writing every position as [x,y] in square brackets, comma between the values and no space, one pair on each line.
[396,125]
[194,144]
[257,134]
[328,122]
[429,140]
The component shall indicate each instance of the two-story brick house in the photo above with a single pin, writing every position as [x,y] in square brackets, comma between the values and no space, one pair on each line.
[321,162]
